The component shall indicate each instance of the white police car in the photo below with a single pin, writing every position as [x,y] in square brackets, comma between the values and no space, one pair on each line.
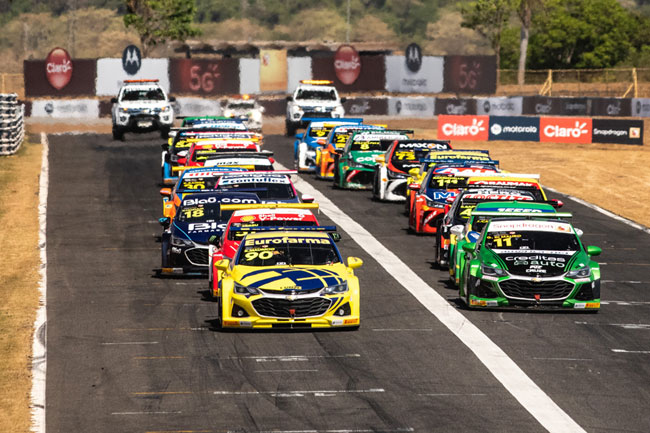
[142,106]
[312,98]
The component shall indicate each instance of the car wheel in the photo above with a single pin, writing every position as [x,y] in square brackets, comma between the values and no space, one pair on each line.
[118,134]
[290,130]
[164,262]
[375,186]
[164,133]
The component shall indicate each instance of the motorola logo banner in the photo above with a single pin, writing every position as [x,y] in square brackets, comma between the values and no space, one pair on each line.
[413,57]
[131,59]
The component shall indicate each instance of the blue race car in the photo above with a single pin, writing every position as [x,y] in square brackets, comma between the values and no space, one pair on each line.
[305,145]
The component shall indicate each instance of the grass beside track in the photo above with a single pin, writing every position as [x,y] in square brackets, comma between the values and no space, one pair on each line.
[19,279]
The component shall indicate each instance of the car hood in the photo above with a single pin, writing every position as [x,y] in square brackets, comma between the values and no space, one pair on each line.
[143,104]
[289,279]
[365,157]
[535,263]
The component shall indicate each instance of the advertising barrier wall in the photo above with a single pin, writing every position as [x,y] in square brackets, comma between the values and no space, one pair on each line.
[428,77]
[565,130]
[66,108]
[611,107]
[298,68]
[617,131]
[455,106]
[197,107]
[641,107]
[410,107]
[366,106]
[514,128]
[249,76]
[372,76]
[205,77]
[82,80]
[470,74]
[543,105]
[111,74]
[463,127]
[500,106]
[273,70]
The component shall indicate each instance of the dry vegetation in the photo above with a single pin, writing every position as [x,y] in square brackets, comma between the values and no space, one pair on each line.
[18,282]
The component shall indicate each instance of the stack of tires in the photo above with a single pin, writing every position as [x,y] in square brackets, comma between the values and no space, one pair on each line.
[12,123]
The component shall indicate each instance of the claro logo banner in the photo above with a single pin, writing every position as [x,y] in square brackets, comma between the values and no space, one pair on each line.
[565,130]
[463,127]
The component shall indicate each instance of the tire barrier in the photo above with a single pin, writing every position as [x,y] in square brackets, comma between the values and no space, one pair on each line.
[12,124]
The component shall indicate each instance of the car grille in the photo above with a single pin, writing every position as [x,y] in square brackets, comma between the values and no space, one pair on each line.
[197,256]
[527,289]
[362,177]
[276,307]
[316,114]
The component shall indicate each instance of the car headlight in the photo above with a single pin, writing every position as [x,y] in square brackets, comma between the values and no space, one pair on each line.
[179,242]
[339,288]
[165,108]
[493,272]
[256,116]
[432,203]
[124,109]
[240,289]
[579,273]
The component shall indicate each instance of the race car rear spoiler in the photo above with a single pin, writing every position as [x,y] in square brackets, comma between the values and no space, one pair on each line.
[269,206]
[528,215]
[507,175]
[286,228]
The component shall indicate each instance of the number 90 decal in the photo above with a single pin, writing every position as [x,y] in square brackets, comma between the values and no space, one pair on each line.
[252,255]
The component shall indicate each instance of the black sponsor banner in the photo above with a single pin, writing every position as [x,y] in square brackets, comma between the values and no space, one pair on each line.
[82,82]
[454,106]
[470,74]
[574,106]
[519,128]
[617,107]
[371,77]
[621,131]
[366,106]
[541,105]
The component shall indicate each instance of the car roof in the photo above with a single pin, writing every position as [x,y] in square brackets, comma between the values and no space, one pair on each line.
[288,234]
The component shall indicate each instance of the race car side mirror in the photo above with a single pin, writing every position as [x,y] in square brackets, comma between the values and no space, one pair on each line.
[306,198]
[164,222]
[556,203]
[222,264]
[113,100]
[321,141]
[215,240]
[299,136]
[336,236]
[579,232]
[457,230]
[289,98]
[594,250]
[380,159]
[354,262]
[181,161]
[166,192]
[469,247]
[414,186]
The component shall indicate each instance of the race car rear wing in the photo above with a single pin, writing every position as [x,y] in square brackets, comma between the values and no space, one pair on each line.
[286,228]
[515,176]
[233,207]
[528,215]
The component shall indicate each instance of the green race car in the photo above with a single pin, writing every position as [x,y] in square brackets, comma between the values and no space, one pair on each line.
[530,261]
[354,164]
[480,215]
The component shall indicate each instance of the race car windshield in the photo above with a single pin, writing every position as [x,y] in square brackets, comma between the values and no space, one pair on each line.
[200,213]
[407,157]
[244,105]
[374,145]
[234,235]
[264,190]
[319,131]
[197,184]
[447,182]
[321,95]
[288,251]
[205,154]
[532,240]
[143,95]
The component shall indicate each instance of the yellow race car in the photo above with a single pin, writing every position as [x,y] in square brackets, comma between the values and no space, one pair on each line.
[289,277]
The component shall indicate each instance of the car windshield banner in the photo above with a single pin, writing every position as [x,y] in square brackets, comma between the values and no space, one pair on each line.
[514,128]
[565,130]
[463,127]
[617,131]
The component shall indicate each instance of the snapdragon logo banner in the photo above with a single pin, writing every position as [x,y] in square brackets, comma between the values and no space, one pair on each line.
[617,131]
[514,128]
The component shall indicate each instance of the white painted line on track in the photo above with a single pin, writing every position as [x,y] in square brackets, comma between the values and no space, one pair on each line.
[643,352]
[402,329]
[602,211]
[643,326]
[293,358]
[448,394]
[285,371]
[39,343]
[564,359]
[128,343]
[623,282]
[397,430]
[320,393]
[504,369]
[625,302]
[147,413]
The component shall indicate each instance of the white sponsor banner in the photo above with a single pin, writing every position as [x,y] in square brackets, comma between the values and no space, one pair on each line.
[61,108]
[298,68]
[640,107]
[197,107]
[111,75]
[249,76]
[500,106]
[411,107]
[428,79]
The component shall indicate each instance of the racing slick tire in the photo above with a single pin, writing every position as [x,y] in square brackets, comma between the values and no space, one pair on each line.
[164,132]
[118,133]
[289,129]
[164,247]
[375,187]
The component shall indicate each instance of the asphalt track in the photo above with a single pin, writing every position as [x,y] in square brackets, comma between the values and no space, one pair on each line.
[130,352]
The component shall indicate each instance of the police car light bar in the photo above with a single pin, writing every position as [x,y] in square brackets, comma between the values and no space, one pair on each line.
[287,228]
[514,213]
[317,82]
[233,207]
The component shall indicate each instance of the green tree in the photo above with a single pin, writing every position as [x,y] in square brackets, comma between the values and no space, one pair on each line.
[158,21]
[489,18]
[581,34]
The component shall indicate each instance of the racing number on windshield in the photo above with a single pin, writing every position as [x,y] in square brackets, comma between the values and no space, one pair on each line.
[405,155]
[193,213]
[252,255]
[341,139]
[501,242]
[194,184]
[446,181]
[364,146]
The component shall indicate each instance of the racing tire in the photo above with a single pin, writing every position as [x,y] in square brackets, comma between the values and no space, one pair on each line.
[337,174]
[375,187]
[289,129]
[164,133]
[118,134]
[164,260]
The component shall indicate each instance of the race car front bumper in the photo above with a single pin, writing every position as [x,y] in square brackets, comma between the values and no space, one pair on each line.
[188,260]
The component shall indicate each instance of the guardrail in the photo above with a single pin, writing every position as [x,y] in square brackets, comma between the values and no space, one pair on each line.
[12,123]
